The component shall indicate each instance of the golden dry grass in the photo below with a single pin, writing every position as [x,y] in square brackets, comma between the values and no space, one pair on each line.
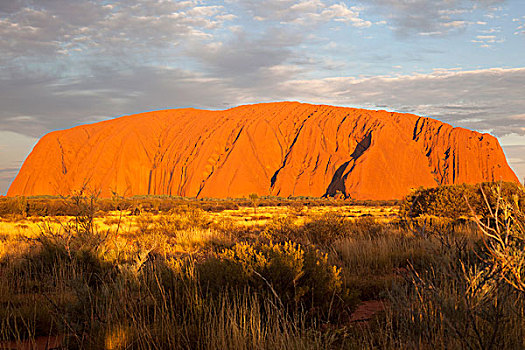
[283,276]
[127,228]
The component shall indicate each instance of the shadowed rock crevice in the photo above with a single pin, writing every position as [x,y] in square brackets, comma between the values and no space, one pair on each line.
[362,146]
[340,175]
[337,183]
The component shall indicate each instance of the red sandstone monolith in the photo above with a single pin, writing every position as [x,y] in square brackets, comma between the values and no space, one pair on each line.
[281,149]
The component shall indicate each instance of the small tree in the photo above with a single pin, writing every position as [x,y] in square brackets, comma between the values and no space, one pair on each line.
[254,199]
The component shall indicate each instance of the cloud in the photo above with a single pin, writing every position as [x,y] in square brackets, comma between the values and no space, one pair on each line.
[470,99]
[10,6]
[58,103]
[337,13]
[520,29]
[305,12]
[487,41]
[247,60]
[518,117]
[429,17]
[63,27]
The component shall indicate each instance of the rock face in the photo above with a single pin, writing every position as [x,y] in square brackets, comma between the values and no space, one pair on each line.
[281,149]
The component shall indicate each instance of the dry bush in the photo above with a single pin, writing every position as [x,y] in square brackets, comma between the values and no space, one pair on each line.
[281,229]
[298,278]
[454,201]
[470,296]
[325,228]
[504,239]
[181,218]
[152,300]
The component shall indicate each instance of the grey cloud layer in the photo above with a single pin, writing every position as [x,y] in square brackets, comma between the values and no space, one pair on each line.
[516,158]
[80,61]
[428,17]
[471,99]
[63,27]
[64,63]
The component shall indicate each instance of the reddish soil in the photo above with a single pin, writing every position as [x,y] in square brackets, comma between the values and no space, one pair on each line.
[366,310]
[39,343]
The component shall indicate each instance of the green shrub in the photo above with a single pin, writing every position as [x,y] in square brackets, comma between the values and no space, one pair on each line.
[299,277]
[281,229]
[326,228]
[455,201]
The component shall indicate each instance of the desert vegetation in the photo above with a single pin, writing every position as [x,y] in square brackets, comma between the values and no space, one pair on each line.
[443,269]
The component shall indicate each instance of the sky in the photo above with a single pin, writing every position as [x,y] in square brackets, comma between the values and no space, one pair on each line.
[69,62]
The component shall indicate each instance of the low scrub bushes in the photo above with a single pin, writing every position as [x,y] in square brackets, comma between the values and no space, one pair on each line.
[455,201]
[271,293]
[177,281]
[470,295]
[83,287]
[325,229]
[298,277]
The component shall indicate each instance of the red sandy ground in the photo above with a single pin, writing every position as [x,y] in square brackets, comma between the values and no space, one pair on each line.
[40,343]
[366,310]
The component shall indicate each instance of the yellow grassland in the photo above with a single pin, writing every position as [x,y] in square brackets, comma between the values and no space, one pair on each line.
[125,228]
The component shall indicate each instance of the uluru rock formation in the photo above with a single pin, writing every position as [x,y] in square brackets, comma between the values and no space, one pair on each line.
[281,149]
